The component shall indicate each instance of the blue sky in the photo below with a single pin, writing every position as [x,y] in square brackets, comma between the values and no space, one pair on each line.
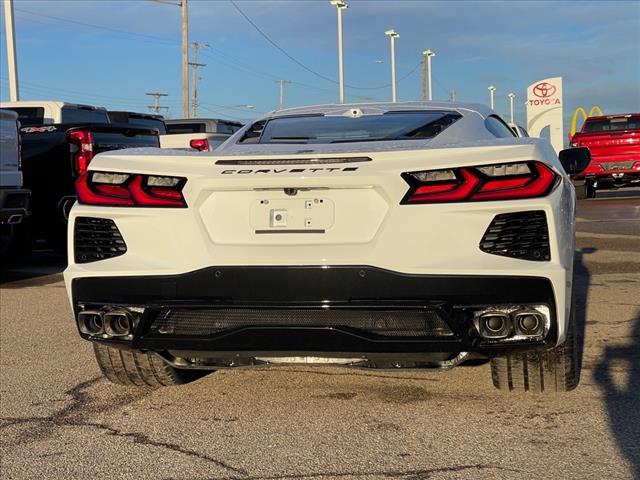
[111,52]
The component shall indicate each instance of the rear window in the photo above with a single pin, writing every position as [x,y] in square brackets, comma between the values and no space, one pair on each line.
[224,127]
[185,128]
[136,120]
[81,115]
[339,129]
[498,128]
[612,124]
[29,115]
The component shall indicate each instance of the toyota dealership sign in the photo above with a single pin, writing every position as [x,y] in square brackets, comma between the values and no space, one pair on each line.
[544,109]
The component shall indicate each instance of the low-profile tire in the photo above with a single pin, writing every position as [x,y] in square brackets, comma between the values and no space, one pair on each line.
[582,192]
[552,370]
[142,370]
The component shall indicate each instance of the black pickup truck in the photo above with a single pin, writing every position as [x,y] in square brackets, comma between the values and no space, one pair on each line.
[54,155]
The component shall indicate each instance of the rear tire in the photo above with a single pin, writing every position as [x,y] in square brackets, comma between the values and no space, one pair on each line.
[553,370]
[142,370]
[581,192]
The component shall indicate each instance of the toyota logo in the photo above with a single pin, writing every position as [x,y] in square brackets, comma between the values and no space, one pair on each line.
[544,90]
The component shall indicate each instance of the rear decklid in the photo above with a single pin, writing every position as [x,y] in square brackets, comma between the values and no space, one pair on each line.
[612,138]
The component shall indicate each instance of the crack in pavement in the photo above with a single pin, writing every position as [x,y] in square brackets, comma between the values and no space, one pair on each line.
[72,416]
[416,474]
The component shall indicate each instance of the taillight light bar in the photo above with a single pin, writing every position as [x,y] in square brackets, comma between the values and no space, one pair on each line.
[83,140]
[130,190]
[507,181]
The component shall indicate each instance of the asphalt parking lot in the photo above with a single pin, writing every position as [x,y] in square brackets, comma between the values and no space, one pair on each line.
[60,419]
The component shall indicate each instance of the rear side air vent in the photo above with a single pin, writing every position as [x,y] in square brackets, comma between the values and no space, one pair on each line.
[96,239]
[522,235]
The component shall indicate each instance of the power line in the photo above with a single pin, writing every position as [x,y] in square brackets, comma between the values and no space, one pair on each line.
[103,27]
[292,58]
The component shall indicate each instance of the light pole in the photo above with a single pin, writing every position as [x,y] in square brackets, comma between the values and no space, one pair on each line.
[10,31]
[512,97]
[282,84]
[492,91]
[340,6]
[392,34]
[427,54]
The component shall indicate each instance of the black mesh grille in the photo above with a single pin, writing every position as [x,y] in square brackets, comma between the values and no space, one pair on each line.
[96,239]
[388,323]
[521,235]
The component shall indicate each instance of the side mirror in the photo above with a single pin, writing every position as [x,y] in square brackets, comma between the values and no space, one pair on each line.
[575,160]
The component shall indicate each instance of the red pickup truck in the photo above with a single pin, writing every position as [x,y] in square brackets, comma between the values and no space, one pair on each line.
[614,142]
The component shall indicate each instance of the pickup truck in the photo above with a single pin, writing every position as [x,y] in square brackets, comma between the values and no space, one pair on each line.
[142,120]
[614,142]
[14,199]
[202,134]
[59,140]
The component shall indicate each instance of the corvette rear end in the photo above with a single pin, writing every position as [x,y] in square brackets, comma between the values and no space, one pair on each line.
[438,243]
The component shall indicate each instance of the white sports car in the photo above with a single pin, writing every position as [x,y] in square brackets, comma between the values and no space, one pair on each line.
[391,235]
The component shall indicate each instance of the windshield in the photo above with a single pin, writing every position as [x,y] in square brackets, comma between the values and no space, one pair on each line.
[339,129]
[612,124]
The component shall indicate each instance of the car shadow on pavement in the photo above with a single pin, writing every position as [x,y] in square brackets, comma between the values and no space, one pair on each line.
[582,281]
[42,268]
[618,375]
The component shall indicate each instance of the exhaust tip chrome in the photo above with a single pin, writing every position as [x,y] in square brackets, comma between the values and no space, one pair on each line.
[529,322]
[118,323]
[90,322]
[495,325]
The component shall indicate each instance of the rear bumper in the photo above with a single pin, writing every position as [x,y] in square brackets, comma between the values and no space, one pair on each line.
[300,290]
[14,205]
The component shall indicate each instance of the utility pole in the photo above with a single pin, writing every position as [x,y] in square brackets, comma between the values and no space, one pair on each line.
[392,34]
[340,6]
[452,97]
[10,31]
[156,107]
[184,5]
[282,83]
[185,58]
[194,76]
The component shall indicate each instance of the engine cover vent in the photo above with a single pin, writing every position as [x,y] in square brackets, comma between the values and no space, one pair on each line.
[522,235]
[96,239]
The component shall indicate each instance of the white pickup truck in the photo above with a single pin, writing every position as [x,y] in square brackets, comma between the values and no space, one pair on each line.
[14,200]
[202,134]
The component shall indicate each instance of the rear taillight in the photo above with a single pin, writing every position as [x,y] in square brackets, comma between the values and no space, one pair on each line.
[130,190]
[507,181]
[200,144]
[83,141]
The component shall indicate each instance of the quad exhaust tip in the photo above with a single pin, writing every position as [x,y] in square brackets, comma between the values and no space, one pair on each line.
[501,324]
[90,322]
[495,325]
[115,323]
[118,323]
